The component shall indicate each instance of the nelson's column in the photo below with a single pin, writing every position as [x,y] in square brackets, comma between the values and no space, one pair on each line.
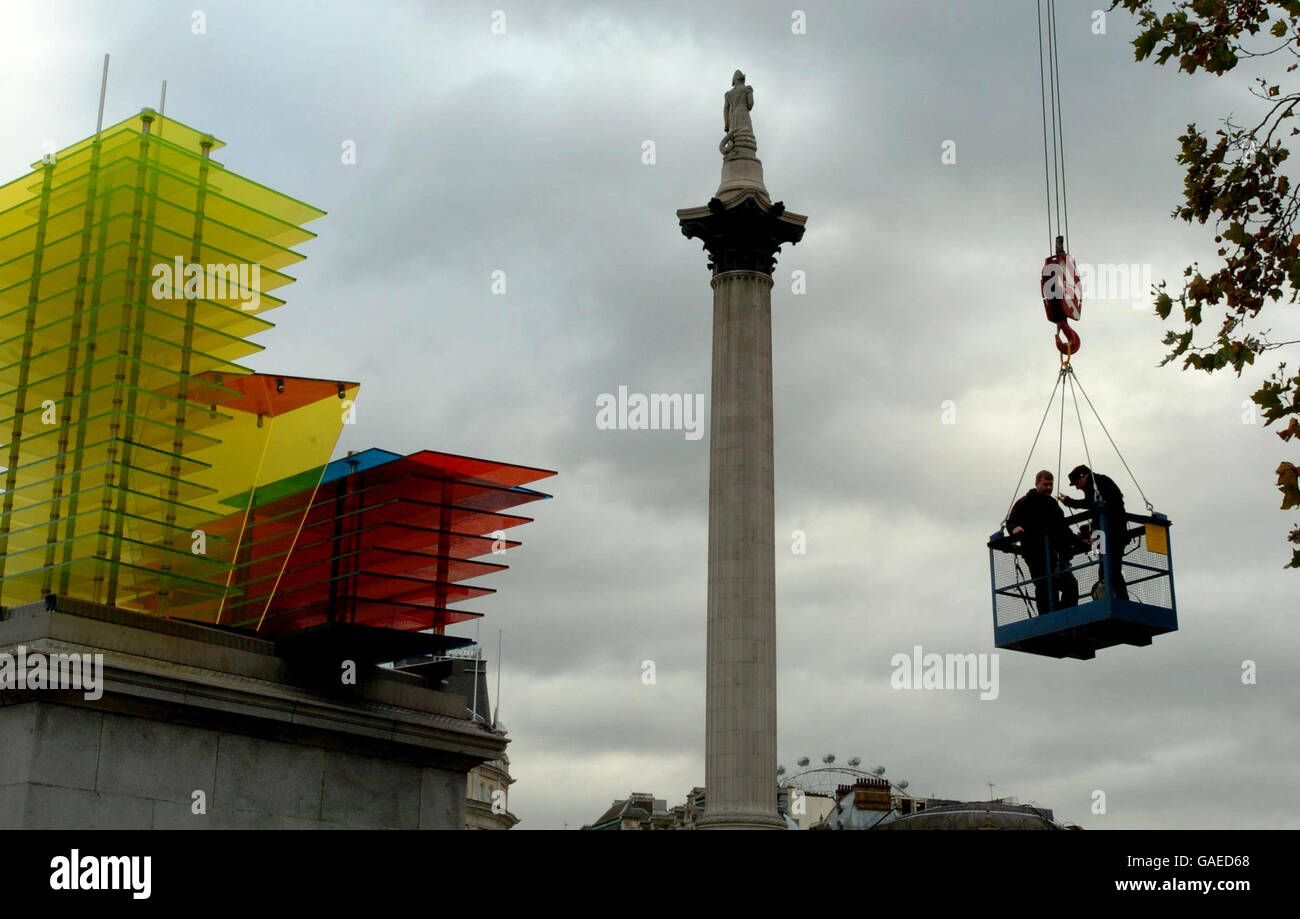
[742,230]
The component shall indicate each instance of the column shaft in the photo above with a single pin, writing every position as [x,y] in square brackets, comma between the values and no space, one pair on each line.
[740,745]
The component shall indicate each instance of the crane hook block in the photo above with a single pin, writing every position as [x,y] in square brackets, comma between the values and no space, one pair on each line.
[1061,300]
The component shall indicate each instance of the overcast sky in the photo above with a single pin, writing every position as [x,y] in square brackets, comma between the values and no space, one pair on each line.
[523,152]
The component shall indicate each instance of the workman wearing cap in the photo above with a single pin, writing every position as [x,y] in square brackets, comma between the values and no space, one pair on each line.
[1102,495]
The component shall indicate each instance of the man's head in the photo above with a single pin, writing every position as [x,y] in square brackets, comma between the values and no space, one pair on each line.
[737,78]
[1043,482]
[1079,476]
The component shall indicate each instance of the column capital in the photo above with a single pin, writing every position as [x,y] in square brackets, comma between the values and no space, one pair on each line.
[743,232]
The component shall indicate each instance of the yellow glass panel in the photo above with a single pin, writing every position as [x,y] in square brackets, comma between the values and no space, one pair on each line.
[142,466]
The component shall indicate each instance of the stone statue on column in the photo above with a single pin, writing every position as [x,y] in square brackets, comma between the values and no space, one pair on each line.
[741,170]
[736,105]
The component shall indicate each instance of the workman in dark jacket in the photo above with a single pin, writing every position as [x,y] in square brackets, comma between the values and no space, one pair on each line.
[1102,495]
[1045,539]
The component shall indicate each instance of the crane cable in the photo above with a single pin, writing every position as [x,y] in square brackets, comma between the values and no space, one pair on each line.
[1072,381]
[1060,125]
[1016,493]
[1049,87]
[1054,167]
[1112,443]
[1083,437]
[1060,437]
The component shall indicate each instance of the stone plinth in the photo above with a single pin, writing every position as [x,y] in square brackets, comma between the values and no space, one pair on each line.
[741,168]
[187,708]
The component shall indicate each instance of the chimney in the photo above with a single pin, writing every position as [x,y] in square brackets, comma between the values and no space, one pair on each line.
[871,795]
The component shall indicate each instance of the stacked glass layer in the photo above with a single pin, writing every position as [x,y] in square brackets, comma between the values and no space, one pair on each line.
[389,540]
[138,453]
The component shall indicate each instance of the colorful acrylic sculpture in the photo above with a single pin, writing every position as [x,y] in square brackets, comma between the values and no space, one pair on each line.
[144,467]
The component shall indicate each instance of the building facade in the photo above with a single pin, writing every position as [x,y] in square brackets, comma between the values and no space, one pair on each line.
[872,804]
[488,784]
